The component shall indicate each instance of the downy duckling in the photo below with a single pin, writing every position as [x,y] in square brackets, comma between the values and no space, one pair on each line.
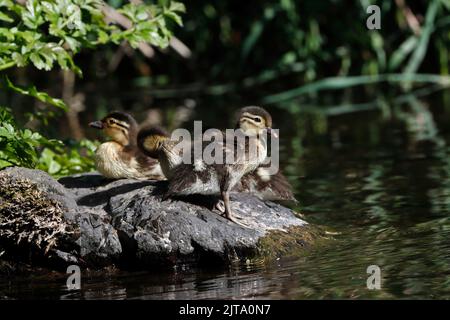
[155,142]
[120,157]
[266,186]
[199,177]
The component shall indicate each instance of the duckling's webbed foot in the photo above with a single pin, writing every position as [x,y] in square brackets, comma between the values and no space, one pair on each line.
[220,206]
[235,220]
[228,213]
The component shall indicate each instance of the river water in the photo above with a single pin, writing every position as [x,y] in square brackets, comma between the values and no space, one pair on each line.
[377,180]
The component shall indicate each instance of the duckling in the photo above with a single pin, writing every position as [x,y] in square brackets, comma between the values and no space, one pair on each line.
[120,157]
[266,186]
[155,142]
[218,179]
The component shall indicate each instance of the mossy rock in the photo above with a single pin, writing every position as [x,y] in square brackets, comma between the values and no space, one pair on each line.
[95,222]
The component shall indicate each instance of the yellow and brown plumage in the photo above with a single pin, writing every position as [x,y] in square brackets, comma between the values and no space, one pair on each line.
[266,186]
[155,142]
[221,179]
[120,157]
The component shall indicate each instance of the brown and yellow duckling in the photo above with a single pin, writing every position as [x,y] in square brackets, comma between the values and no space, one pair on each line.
[266,186]
[120,157]
[155,142]
[212,179]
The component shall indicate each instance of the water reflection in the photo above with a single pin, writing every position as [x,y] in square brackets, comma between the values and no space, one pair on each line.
[380,181]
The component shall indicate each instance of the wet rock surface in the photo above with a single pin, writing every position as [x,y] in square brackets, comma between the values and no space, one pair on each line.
[127,223]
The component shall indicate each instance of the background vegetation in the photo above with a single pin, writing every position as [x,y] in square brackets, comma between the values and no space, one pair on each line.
[364,118]
[43,34]
[64,63]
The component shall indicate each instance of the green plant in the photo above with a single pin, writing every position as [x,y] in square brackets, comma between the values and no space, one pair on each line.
[45,34]
[25,148]
[18,146]
[71,158]
[293,44]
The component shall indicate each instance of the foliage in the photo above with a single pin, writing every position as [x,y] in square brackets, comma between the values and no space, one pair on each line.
[46,34]
[17,146]
[32,92]
[23,147]
[72,158]
[150,23]
[290,43]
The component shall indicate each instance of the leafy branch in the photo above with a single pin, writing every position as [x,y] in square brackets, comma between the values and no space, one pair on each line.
[23,147]
[43,33]
[48,34]
[32,92]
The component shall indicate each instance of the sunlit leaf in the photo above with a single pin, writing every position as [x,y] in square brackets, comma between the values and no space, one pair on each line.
[175,17]
[32,91]
[5,17]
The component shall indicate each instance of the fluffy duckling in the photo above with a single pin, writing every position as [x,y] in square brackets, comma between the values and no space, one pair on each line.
[266,186]
[217,179]
[120,157]
[155,142]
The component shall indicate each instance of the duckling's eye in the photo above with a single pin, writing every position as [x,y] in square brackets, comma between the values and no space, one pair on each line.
[110,121]
[257,119]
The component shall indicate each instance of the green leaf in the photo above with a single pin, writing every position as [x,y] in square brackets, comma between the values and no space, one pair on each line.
[5,17]
[19,59]
[175,17]
[33,92]
[177,6]
[7,33]
[72,43]
[420,51]
[4,163]
[6,3]
[54,167]
[38,61]
[402,52]
[446,4]
[32,16]
[103,37]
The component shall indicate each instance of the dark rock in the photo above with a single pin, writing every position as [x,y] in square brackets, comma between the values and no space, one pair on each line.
[126,222]
[95,241]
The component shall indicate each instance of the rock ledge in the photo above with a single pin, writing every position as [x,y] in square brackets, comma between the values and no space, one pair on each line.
[124,222]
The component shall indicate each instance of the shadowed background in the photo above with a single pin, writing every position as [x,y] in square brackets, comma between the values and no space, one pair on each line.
[364,122]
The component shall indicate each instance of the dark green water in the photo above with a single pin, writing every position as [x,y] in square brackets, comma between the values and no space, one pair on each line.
[378,180]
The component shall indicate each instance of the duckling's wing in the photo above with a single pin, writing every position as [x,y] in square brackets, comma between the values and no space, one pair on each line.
[281,187]
[202,176]
[149,167]
[182,178]
[246,149]
[145,161]
[266,186]
[233,149]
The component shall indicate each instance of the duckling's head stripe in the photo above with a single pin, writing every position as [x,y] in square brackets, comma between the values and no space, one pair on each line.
[122,119]
[252,111]
[123,125]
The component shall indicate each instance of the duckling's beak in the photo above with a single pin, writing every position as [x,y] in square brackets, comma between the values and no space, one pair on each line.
[96,124]
[272,133]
